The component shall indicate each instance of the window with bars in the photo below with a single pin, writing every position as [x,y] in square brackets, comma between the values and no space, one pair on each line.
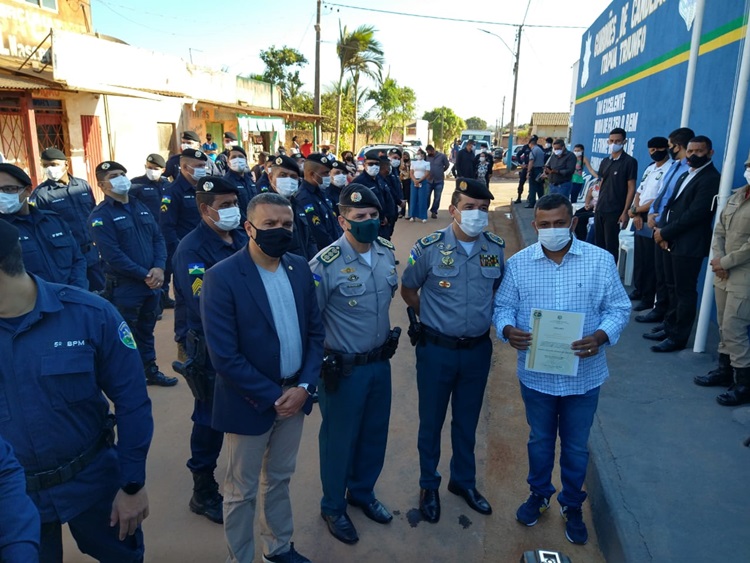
[50,124]
[13,133]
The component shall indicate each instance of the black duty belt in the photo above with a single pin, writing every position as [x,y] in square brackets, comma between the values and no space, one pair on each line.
[64,473]
[376,355]
[289,381]
[451,342]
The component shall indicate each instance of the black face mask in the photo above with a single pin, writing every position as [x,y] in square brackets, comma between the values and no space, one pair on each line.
[273,242]
[674,151]
[658,156]
[696,161]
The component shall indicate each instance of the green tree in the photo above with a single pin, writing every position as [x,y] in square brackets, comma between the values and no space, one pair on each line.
[476,123]
[394,105]
[446,125]
[282,70]
[330,103]
[359,54]
[302,103]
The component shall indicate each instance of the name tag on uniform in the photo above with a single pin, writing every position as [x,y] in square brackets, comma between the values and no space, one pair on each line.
[120,218]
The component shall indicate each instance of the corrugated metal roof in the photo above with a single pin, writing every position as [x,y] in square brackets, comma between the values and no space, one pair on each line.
[550,118]
[21,83]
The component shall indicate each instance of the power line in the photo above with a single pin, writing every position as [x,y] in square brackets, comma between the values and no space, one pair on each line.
[442,18]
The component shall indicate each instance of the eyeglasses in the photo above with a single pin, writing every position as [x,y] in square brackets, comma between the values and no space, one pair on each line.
[12,189]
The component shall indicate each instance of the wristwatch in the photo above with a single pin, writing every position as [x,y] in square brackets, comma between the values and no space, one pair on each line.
[307,387]
[132,487]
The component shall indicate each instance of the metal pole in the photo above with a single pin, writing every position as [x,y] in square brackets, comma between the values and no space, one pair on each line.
[502,123]
[511,130]
[725,189]
[695,44]
[317,131]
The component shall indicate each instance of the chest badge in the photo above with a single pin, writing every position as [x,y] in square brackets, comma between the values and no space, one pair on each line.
[352,303]
[353,277]
[447,261]
[489,261]
[347,270]
[444,283]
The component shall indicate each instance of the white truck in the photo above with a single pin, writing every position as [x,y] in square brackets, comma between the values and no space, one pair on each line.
[478,135]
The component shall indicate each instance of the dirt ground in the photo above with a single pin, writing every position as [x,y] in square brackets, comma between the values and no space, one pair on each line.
[174,534]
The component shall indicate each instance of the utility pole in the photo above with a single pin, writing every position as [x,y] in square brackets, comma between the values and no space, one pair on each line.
[512,127]
[317,108]
[502,123]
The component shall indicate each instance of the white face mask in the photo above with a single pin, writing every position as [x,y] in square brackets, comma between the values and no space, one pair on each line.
[120,185]
[228,145]
[395,162]
[186,146]
[229,218]
[238,164]
[326,182]
[199,173]
[473,221]
[554,239]
[615,147]
[419,157]
[153,175]
[747,175]
[547,145]
[482,158]
[54,173]
[557,152]
[287,186]
[339,180]
[577,153]
[9,203]
[373,170]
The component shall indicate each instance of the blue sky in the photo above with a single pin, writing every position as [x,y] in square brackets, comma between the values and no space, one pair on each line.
[446,62]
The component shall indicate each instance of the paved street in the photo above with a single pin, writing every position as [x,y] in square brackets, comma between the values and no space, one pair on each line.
[174,534]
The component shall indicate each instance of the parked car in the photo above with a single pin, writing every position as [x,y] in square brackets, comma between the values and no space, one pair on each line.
[514,158]
[412,150]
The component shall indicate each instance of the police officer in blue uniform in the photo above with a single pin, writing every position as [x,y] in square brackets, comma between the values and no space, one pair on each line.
[49,249]
[284,180]
[215,238]
[372,178]
[313,199]
[339,179]
[355,281]
[66,354]
[133,252]
[151,188]
[230,140]
[19,518]
[238,173]
[450,282]
[393,184]
[190,141]
[72,199]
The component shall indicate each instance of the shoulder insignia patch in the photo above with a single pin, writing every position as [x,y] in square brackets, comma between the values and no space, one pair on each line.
[492,237]
[126,336]
[197,269]
[330,255]
[309,208]
[385,242]
[431,239]
[97,223]
[166,199]
[197,285]
[317,279]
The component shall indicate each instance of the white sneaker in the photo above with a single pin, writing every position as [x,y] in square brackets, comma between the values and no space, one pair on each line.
[424,220]
[411,219]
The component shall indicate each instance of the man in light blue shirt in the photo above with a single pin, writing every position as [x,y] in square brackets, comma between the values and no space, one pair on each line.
[564,274]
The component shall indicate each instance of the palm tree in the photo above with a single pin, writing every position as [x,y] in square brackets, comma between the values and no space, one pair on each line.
[359,54]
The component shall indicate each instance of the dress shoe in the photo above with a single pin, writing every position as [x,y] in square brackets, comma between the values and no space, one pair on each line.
[473,498]
[429,504]
[735,396]
[341,527]
[651,317]
[642,307]
[659,327]
[519,200]
[657,336]
[668,345]
[635,295]
[373,510]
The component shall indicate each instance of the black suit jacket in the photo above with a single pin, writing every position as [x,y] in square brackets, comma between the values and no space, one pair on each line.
[688,217]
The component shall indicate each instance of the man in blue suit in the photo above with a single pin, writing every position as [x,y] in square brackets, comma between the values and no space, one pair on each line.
[265,339]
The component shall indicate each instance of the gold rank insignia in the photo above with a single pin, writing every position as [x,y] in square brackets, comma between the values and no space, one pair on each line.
[316,220]
[463,185]
[347,270]
[444,283]
[197,286]
[489,261]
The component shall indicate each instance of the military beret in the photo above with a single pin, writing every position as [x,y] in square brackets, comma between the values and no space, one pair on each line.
[16,172]
[109,166]
[191,136]
[194,153]
[476,189]
[53,154]
[322,159]
[384,159]
[8,238]
[338,165]
[298,156]
[287,162]
[157,159]
[231,136]
[357,195]
[395,151]
[373,154]
[215,185]
[657,143]
[239,149]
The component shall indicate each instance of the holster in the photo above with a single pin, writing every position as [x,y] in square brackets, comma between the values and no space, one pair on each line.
[200,380]
[331,372]
[110,283]
[415,327]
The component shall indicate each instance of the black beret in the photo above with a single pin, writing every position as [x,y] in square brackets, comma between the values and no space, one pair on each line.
[53,154]
[357,195]
[231,136]
[287,162]
[238,149]
[216,185]
[373,154]
[395,151]
[191,136]
[155,158]
[338,165]
[384,159]
[194,153]
[658,143]
[8,238]
[16,172]
[322,159]
[476,189]
[108,166]
[471,141]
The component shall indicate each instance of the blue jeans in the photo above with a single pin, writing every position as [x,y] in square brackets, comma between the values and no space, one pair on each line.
[572,416]
[562,189]
[418,200]
[436,190]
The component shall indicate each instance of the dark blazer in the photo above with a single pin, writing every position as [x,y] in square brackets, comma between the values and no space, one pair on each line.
[688,218]
[243,344]
[465,166]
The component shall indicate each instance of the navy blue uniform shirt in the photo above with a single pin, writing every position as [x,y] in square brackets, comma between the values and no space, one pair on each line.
[19,518]
[180,213]
[382,190]
[172,169]
[245,187]
[149,193]
[320,213]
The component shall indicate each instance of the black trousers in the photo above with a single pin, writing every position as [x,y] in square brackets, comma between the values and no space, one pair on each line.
[644,276]
[660,269]
[607,231]
[683,296]
[522,180]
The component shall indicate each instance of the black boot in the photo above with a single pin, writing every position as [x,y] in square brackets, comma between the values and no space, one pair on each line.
[722,376]
[155,377]
[206,499]
[739,393]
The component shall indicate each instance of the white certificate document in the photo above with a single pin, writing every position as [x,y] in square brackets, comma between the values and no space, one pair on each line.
[552,333]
